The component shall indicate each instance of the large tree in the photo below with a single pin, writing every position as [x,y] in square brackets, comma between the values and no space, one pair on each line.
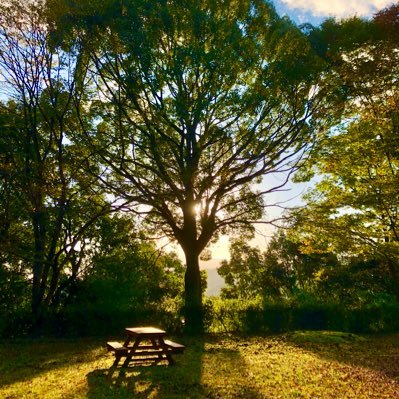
[198,102]
[354,207]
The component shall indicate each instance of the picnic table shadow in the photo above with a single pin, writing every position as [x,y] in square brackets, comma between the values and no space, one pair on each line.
[182,380]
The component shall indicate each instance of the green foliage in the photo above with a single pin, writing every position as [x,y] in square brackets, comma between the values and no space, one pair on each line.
[48,196]
[14,302]
[353,210]
[303,312]
[356,282]
[242,272]
[127,282]
[178,111]
[228,315]
[124,281]
[278,272]
[318,292]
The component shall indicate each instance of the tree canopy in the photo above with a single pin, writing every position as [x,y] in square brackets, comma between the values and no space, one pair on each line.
[196,103]
[354,206]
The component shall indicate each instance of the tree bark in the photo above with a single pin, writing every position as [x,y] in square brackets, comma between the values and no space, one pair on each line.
[193,309]
[38,262]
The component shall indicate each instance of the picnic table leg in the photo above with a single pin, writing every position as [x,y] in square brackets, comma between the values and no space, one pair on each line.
[131,352]
[116,361]
[166,351]
[156,346]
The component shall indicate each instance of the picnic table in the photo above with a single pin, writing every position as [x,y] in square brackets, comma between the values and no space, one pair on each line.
[143,345]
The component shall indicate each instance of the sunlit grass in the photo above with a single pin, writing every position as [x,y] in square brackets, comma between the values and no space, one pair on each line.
[309,365]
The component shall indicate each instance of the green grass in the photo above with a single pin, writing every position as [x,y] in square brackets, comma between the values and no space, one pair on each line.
[324,337]
[309,365]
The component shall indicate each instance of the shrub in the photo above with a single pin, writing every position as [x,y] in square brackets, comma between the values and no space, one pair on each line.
[302,312]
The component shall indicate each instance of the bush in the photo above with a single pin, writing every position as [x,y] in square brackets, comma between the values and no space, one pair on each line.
[380,315]
[302,313]
[277,317]
[231,315]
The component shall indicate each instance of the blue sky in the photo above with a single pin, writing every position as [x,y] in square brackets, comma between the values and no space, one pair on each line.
[315,11]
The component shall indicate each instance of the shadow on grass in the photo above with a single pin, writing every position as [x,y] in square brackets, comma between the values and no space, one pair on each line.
[24,360]
[201,372]
[376,352]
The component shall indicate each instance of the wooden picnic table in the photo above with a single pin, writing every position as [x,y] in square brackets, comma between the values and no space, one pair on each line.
[144,344]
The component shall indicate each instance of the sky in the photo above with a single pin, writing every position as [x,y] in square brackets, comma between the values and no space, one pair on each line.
[315,11]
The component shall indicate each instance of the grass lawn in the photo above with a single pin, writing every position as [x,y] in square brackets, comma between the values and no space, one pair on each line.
[311,365]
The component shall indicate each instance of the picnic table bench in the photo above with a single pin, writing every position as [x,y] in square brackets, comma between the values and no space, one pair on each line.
[144,344]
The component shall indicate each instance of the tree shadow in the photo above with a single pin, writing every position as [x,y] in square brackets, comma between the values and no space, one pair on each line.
[190,377]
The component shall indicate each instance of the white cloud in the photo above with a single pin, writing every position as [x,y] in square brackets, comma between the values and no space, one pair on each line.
[339,8]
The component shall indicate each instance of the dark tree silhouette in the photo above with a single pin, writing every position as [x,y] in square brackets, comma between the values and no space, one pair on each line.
[195,104]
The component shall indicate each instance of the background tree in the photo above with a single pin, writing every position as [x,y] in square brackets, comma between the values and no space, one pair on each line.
[279,272]
[354,207]
[242,273]
[125,280]
[198,102]
[49,202]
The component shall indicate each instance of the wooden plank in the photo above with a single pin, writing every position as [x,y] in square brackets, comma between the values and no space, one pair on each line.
[154,352]
[140,347]
[153,360]
[117,347]
[176,348]
[145,331]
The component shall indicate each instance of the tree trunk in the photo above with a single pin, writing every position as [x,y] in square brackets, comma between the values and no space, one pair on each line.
[38,263]
[193,309]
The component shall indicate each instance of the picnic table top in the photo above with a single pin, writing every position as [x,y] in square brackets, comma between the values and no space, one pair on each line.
[149,331]
[149,346]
